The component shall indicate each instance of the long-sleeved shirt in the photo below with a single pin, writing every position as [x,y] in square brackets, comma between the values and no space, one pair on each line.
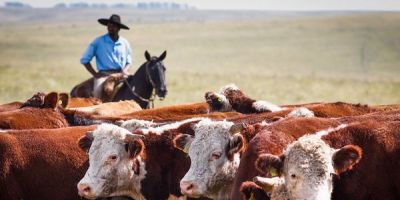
[109,55]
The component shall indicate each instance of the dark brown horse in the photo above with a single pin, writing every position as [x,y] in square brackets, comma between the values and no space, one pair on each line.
[139,87]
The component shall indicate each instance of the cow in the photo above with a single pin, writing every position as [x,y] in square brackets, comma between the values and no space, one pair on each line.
[109,109]
[231,98]
[375,176]
[41,163]
[38,112]
[275,141]
[140,165]
[162,114]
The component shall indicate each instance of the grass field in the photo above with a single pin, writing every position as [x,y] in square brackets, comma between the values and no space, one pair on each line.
[352,57]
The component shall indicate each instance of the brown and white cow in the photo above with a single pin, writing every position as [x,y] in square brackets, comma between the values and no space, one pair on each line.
[273,142]
[231,98]
[146,166]
[42,163]
[376,176]
[307,167]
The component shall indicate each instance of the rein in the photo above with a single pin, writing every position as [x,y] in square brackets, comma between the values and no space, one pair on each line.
[151,99]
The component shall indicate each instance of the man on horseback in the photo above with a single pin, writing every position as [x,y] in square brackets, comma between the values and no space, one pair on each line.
[112,52]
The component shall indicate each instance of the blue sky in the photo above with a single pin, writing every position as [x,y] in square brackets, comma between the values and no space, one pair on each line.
[250,4]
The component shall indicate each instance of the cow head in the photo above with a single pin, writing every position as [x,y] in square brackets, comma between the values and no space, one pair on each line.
[115,164]
[214,154]
[217,102]
[306,166]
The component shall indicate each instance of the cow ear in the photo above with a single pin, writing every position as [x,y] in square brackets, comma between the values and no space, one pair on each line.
[346,157]
[86,141]
[51,100]
[147,55]
[63,99]
[271,164]
[162,56]
[236,144]
[251,191]
[237,128]
[183,142]
[134,145]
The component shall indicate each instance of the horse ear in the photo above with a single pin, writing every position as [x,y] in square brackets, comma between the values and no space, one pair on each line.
[147,55]
[163,55]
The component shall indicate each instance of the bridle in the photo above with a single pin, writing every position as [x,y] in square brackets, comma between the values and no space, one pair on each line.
[151,99]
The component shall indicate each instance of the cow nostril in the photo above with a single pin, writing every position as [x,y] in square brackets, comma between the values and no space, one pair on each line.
[86,189]
[189,187]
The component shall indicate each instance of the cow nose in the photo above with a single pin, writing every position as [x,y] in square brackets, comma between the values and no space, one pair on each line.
[188,188]
[84,190]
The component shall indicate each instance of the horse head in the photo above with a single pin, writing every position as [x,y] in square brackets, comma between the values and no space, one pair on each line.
[155,71]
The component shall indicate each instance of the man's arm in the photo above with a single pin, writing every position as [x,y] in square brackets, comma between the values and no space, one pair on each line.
[87,57]
[89,67]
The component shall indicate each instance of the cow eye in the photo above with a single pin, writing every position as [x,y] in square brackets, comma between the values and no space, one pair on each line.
[215,155]
[293,175]
[113,157]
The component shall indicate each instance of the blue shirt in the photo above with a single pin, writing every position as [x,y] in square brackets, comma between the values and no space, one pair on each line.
[109,55]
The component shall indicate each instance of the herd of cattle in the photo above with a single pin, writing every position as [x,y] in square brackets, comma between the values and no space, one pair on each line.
[228,147]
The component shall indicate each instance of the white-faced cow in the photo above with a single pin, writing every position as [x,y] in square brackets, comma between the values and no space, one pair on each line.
[214,154]
[306,167]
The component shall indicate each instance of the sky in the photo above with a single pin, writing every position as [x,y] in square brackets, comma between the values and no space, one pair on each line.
[249,4]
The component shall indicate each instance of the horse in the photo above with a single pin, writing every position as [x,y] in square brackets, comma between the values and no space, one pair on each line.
[147,82]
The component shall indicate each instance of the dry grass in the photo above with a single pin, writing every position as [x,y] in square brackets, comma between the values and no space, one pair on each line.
[352,57]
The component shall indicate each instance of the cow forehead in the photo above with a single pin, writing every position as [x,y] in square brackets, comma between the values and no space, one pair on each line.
[109,131]
[310,155]
[207,130]
[210,135]
[108,137]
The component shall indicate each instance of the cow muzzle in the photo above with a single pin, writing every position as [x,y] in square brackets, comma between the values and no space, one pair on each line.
[84,190]
[190,189]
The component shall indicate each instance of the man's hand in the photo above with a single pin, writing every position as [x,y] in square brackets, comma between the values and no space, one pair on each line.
[98,75]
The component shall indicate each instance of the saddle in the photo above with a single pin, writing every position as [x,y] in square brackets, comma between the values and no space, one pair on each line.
[111,86]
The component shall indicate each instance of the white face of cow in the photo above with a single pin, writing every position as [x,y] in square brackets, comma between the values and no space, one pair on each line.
[214,159]
[308,165]
[115,167]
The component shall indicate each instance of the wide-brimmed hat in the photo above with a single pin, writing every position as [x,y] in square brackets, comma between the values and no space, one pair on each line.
[115,19]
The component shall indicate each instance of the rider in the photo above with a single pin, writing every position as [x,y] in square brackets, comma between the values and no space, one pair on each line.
[112,52]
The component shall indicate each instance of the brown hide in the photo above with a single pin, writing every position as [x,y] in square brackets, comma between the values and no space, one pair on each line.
[377,175]
[240,101]
[10,106]
[167,113]
[338,109]
[41,164]
[165,165]
[32,118]
[78,102]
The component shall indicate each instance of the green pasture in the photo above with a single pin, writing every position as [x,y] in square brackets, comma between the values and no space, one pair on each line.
[352,57]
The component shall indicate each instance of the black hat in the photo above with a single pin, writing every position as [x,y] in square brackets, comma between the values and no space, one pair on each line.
[115,19]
